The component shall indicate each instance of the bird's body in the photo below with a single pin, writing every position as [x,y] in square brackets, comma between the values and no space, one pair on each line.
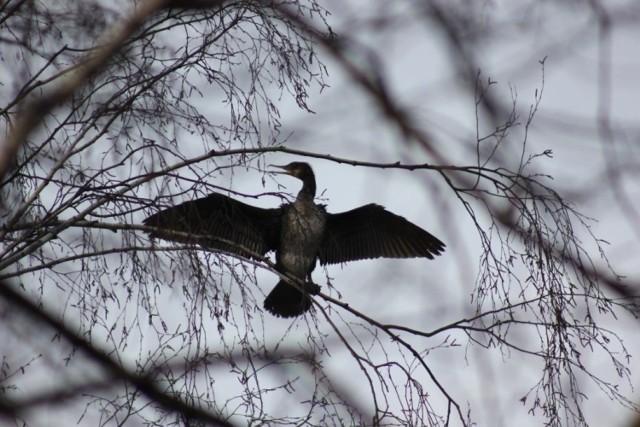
[303,226]
[300,233]
[302,229]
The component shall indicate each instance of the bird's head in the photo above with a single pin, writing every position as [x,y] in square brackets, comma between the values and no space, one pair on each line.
[299,170]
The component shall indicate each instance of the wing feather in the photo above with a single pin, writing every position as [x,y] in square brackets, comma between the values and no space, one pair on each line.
[219,217]
[371,231]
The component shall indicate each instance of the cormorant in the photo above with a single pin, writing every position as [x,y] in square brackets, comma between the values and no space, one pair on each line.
[300,233]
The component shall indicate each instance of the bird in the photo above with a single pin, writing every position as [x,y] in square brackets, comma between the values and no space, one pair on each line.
[300,233]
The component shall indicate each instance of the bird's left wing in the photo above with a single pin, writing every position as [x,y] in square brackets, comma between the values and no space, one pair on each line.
[216,220]
[371,231]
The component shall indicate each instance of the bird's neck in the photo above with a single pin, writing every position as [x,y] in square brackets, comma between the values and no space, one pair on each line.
[308,191]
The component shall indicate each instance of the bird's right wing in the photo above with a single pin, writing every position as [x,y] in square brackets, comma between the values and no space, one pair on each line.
[371,231]
[216,217]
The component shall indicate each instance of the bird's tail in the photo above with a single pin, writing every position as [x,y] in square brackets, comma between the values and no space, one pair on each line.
[287,301]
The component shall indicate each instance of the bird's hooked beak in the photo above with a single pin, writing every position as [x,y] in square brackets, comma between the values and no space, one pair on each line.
[285,167]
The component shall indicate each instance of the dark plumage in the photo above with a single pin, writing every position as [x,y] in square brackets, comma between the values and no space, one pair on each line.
[300,233]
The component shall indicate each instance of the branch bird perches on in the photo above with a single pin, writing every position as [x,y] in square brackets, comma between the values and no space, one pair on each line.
[300,233]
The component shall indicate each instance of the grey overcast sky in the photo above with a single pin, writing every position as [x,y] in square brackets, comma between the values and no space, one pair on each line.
[585,77]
